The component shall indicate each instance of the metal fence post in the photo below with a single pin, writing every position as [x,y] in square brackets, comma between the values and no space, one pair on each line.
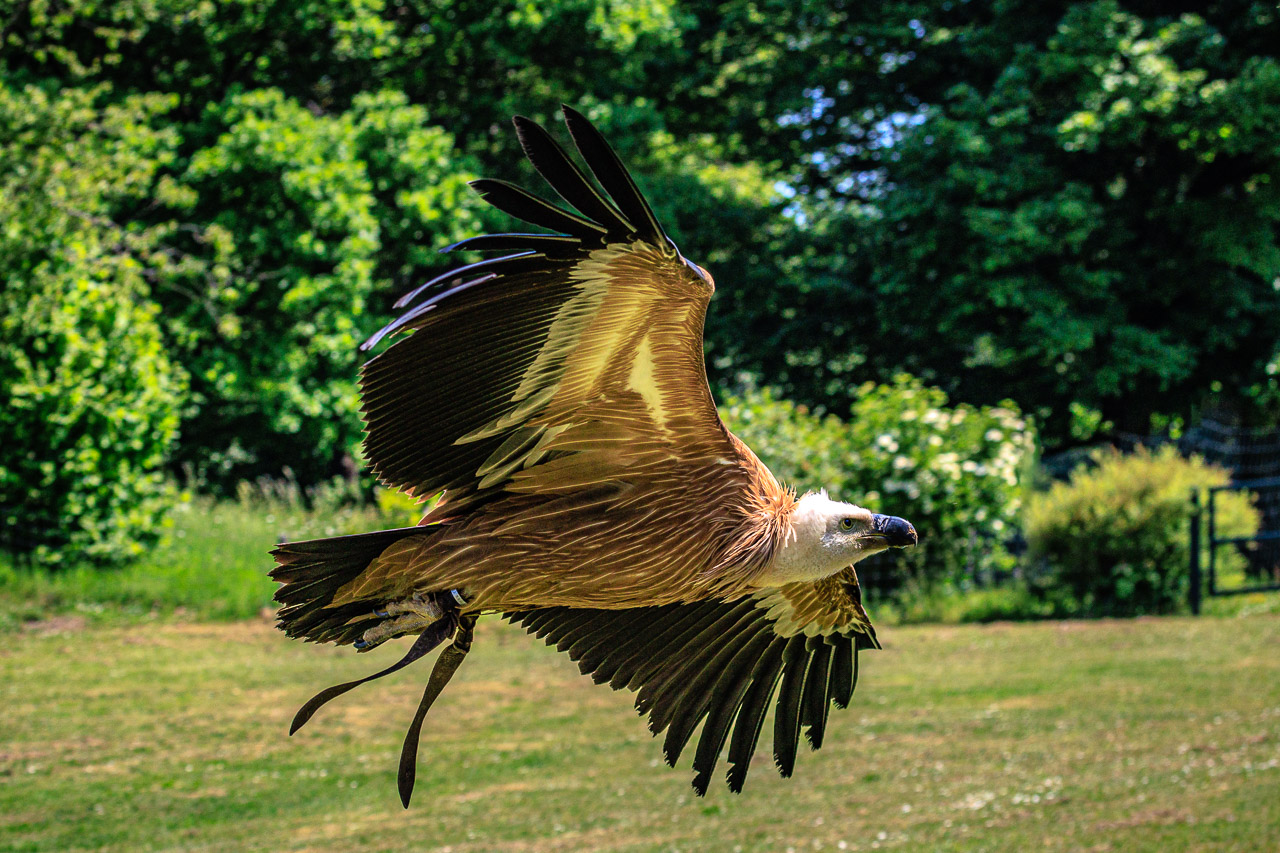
[1195,590]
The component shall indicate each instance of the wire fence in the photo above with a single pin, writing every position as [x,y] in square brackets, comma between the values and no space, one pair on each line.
[1251,455]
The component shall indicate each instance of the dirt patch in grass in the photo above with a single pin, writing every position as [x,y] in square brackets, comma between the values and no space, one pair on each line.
[1162,817]
[55,625]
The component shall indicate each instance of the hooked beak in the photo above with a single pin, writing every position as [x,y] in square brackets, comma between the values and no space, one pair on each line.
[896,532]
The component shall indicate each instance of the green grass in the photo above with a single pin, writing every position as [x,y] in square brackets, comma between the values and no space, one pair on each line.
[1111,735]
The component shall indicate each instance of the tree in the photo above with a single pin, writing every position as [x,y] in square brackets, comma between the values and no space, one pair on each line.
[1070,204]
[89,398]
[292,223]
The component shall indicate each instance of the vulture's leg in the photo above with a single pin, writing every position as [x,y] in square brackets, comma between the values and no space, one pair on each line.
[426,642]
[446,665]
[438,629]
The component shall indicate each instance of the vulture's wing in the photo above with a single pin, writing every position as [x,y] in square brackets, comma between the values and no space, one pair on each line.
[565,344]
[723,663]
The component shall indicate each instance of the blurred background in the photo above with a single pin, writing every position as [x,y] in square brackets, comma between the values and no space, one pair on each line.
[1010,270]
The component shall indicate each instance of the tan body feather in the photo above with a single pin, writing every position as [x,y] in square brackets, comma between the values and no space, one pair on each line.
[669,533]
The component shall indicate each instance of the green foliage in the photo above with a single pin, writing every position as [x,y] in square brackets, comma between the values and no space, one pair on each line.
[398,508]
[1015,602]
[89,397]
[1098,216]
[1056,203]
[291,222]
[953,472]
[1117,535]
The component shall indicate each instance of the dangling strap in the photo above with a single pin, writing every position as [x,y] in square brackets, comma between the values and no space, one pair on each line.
[446,665]
[433,636]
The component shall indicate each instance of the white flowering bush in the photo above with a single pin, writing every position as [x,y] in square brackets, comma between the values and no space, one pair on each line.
[955,472]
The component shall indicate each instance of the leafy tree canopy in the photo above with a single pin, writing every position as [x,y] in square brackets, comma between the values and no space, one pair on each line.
[1071,205]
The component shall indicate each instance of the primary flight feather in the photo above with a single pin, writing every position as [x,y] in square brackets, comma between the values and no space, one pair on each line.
[555,397]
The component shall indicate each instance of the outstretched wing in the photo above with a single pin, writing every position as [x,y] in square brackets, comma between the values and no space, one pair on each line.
[580,342]
[723,663]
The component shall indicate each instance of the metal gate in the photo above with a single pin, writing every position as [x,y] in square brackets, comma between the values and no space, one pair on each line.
[1261,551]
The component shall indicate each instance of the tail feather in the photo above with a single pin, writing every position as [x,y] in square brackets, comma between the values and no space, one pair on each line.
[312,572]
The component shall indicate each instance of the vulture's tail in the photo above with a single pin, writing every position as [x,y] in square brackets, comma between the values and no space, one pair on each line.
[313,571]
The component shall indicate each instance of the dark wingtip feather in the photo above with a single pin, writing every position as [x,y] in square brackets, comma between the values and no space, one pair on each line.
[564,176]
[842,662]
[524,205]
[786,721]
[726,704]
[750,720]
[455,276]
[714,664]
[814,704]
[614,177]
[416,313]
[506,242]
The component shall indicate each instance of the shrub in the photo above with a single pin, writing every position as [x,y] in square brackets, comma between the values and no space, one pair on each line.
[295,224]
[1117,535]
[89,399]
[949,605]
[91,409]
[955,473]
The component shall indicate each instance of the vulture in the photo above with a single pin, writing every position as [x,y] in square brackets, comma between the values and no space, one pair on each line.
[554,397]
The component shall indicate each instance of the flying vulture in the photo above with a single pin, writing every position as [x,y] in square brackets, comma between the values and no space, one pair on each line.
[555,397]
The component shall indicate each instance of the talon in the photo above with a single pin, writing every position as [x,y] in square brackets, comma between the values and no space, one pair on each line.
[361,644]
[381,614]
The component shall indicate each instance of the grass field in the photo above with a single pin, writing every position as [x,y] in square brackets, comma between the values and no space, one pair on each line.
[1139,735]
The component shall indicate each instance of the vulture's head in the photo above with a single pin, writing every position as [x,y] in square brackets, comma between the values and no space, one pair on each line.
[826,536]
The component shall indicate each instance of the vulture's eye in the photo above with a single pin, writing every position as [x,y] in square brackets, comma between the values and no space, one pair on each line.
[846,524]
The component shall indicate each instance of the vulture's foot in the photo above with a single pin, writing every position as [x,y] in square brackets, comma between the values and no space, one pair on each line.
[407,616]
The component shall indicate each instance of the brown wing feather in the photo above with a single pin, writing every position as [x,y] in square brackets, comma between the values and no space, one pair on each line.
[723,663]
[566,349]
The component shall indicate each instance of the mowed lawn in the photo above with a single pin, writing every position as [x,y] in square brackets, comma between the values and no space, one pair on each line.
[1139,735]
